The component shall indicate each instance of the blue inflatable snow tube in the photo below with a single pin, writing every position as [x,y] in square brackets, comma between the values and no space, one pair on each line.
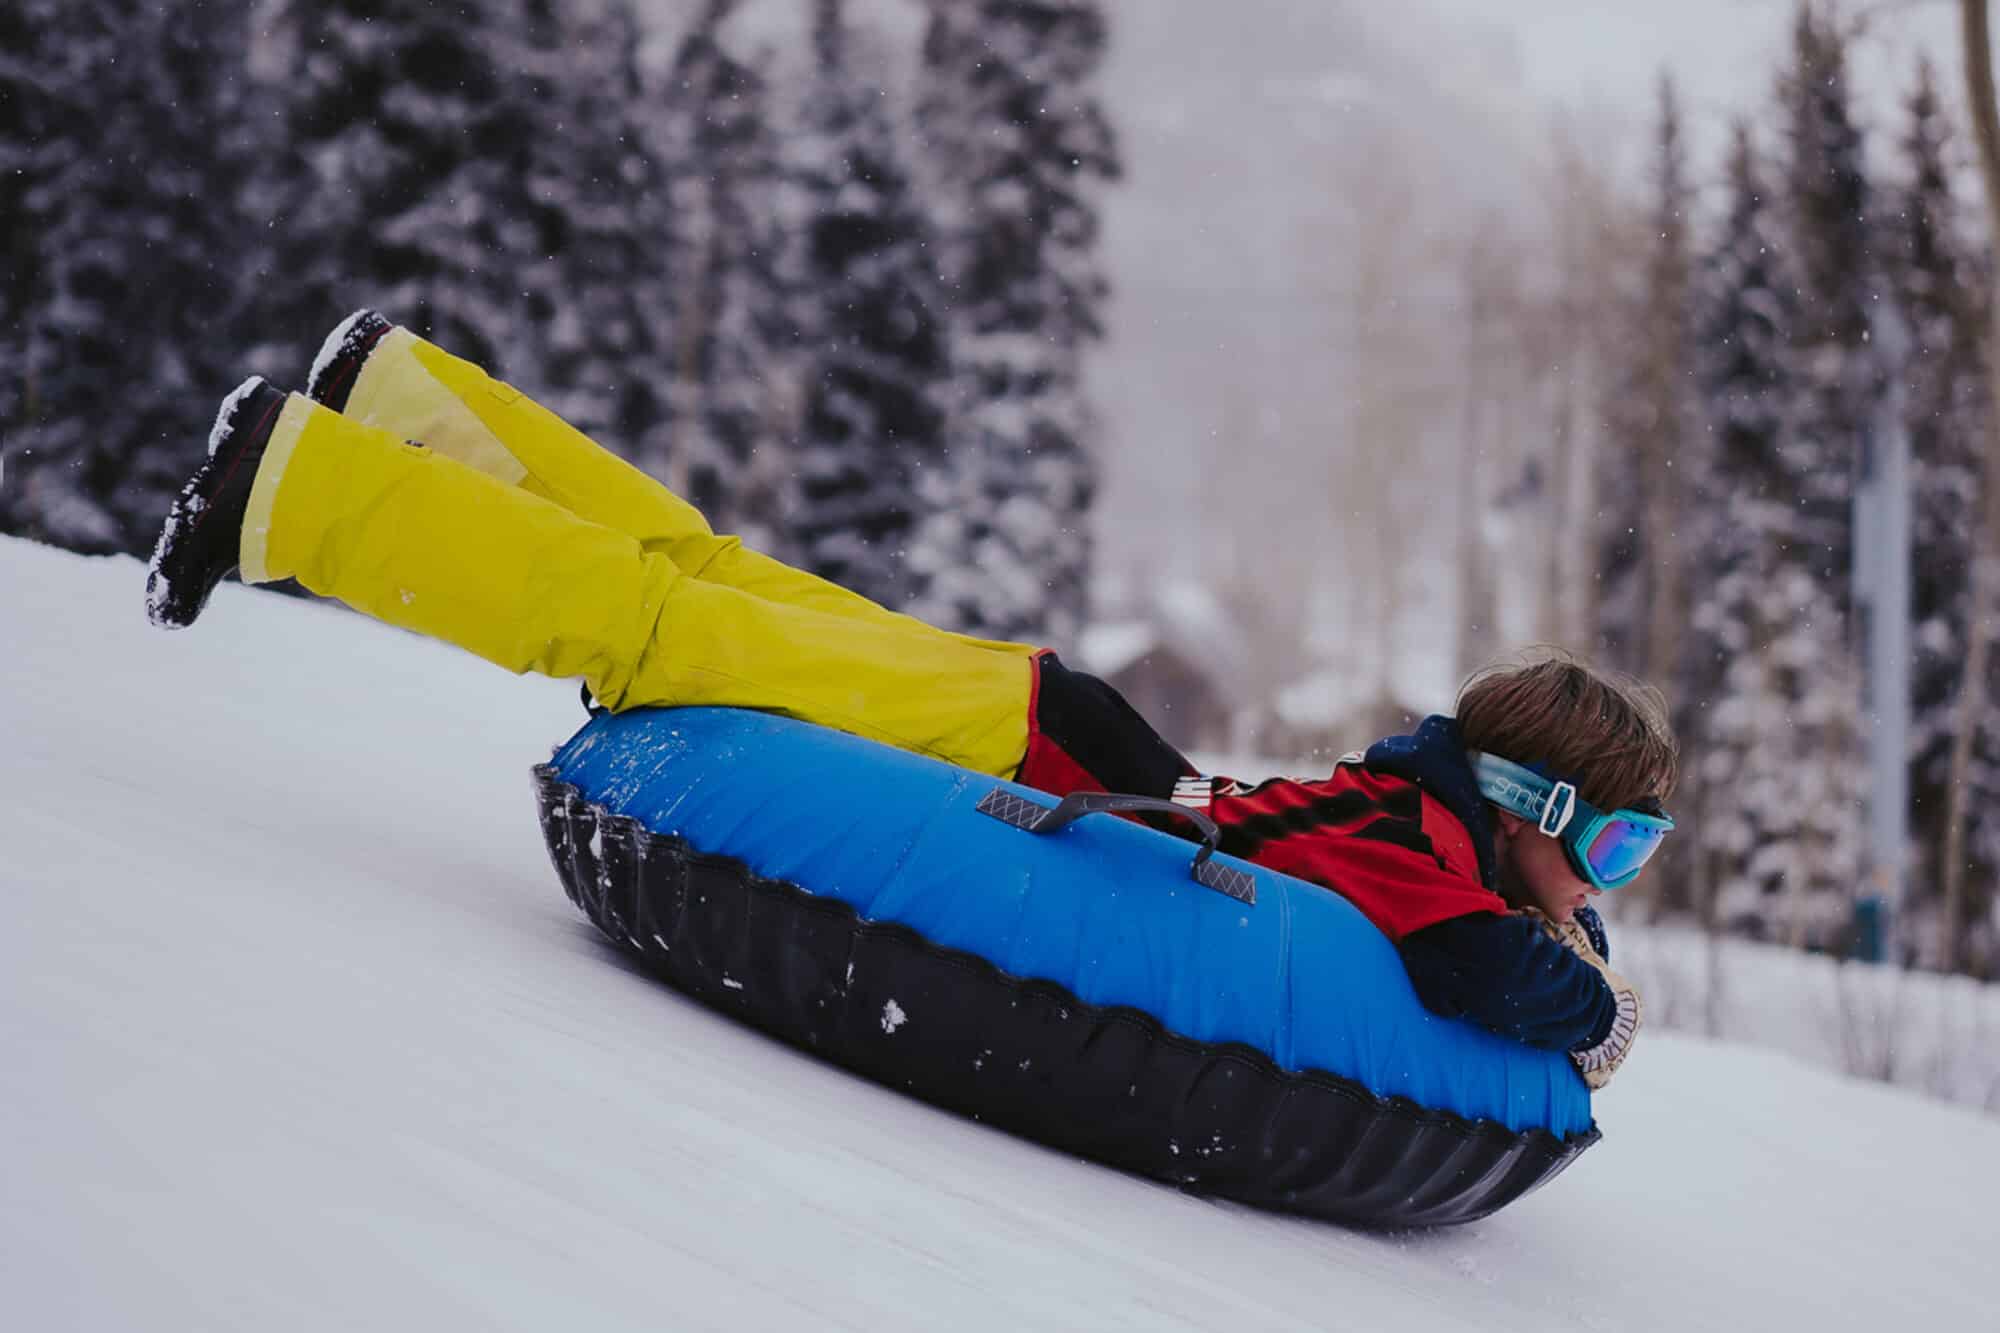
[1104,915]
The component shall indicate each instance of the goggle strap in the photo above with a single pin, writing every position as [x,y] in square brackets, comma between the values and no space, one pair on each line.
[1522,791]
[1558,810]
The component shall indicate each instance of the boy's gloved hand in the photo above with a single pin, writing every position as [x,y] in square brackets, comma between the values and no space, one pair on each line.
[1598,1063]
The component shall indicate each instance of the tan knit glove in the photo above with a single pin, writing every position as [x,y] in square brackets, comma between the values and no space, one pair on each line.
[1598,1063]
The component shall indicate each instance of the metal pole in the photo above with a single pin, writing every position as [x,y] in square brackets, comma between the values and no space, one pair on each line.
[1882,591]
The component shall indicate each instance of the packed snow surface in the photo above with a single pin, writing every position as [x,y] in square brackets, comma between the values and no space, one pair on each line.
[299,1032]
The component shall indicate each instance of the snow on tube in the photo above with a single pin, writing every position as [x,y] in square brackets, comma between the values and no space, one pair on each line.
[1243,1034]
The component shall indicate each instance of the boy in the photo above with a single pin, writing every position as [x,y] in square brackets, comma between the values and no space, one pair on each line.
[509,533]
[1478,842]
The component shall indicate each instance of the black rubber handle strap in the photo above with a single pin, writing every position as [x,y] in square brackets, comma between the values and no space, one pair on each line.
[1022,813]
[1080,803]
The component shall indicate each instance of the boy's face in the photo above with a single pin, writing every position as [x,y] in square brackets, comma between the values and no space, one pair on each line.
[1534,872]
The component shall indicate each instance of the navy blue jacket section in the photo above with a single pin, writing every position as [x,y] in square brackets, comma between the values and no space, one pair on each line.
[1105,908]
[1501,972]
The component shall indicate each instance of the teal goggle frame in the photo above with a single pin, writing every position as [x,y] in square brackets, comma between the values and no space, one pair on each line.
[1607,850]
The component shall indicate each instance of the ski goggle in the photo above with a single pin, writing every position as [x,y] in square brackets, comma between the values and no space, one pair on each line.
[1607,850]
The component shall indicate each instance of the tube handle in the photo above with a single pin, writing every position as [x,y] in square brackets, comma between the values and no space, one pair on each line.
[1011,808]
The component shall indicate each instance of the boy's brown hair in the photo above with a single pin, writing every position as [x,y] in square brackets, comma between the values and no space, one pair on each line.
[1606,732]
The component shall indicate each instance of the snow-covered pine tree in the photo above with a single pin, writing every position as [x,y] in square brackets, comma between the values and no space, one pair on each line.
[475,170]
[1830,242]
[1652,417]
[874,351]
[1018,145]
[1782,772]
[1650,424]
[1743,361]
[591,333]
[1773,786]
[32,110]
[730,350]
[1940,288]
[400,185]
[130,139]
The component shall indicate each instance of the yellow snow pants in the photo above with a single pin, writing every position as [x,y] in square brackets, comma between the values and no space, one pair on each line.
[512,535]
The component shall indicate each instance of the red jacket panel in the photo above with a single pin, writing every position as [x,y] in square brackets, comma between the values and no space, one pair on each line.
[1380,842]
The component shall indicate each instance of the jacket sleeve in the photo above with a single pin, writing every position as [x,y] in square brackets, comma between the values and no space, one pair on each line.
[1504,973]
[1583,935]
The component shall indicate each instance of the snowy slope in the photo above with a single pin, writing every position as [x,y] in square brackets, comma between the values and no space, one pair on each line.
[297,1031]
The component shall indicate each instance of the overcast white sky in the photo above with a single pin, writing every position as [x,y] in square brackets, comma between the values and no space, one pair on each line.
[1590,54]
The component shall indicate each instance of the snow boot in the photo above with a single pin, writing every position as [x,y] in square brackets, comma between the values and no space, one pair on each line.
[203,536]
[341,357]
[378,373]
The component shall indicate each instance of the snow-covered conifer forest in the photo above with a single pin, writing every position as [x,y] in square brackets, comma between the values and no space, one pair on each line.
[1283,392]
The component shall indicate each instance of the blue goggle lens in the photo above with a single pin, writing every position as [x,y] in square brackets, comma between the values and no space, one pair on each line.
[1619,849]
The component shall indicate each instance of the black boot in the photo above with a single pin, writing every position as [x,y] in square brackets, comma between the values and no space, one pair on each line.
[341,356]
[204,533]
